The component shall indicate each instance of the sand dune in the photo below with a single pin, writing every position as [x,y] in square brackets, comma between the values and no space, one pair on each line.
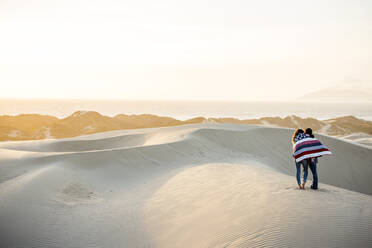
[359,138]
[36,127]
[201,185]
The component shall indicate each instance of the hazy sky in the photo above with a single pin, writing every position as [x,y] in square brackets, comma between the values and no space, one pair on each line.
[187,50]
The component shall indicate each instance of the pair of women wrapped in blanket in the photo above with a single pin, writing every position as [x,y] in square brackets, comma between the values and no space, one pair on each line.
[306,150]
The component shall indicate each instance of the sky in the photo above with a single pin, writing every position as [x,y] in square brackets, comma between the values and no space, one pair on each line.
[236,50]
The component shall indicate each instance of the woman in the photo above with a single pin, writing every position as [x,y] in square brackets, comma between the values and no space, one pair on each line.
[299,135]
[312,162]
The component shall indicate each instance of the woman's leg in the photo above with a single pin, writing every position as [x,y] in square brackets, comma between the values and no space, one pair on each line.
[298,174]
[305,168]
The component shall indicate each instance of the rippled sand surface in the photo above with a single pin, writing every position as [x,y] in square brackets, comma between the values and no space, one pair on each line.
[187,186]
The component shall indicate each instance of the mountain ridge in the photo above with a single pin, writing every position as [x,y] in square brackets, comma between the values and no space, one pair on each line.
[349,90]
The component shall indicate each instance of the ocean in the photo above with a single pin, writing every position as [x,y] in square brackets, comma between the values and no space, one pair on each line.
[186,109]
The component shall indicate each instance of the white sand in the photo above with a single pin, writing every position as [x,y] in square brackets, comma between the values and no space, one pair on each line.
[204,185]
[359,138]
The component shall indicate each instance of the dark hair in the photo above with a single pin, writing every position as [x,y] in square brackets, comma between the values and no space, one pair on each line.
[309,131]
[298,131]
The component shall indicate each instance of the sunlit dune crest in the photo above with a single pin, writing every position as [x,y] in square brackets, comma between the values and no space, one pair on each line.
[34,126]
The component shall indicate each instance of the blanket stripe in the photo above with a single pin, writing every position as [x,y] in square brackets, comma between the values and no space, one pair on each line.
[309,148]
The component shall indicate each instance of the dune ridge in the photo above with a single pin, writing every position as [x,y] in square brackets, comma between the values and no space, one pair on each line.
[35,127]
[198,185]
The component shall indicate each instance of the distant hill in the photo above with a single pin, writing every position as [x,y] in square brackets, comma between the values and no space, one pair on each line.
[34,126]
[349,90]
[339,95]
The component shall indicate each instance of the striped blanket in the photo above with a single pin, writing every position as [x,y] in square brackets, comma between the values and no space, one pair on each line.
[309,148]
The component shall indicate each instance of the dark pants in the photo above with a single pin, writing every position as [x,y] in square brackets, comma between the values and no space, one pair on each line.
[312,166]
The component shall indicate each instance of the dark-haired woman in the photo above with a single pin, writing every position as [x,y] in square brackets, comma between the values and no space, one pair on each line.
[299,135]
